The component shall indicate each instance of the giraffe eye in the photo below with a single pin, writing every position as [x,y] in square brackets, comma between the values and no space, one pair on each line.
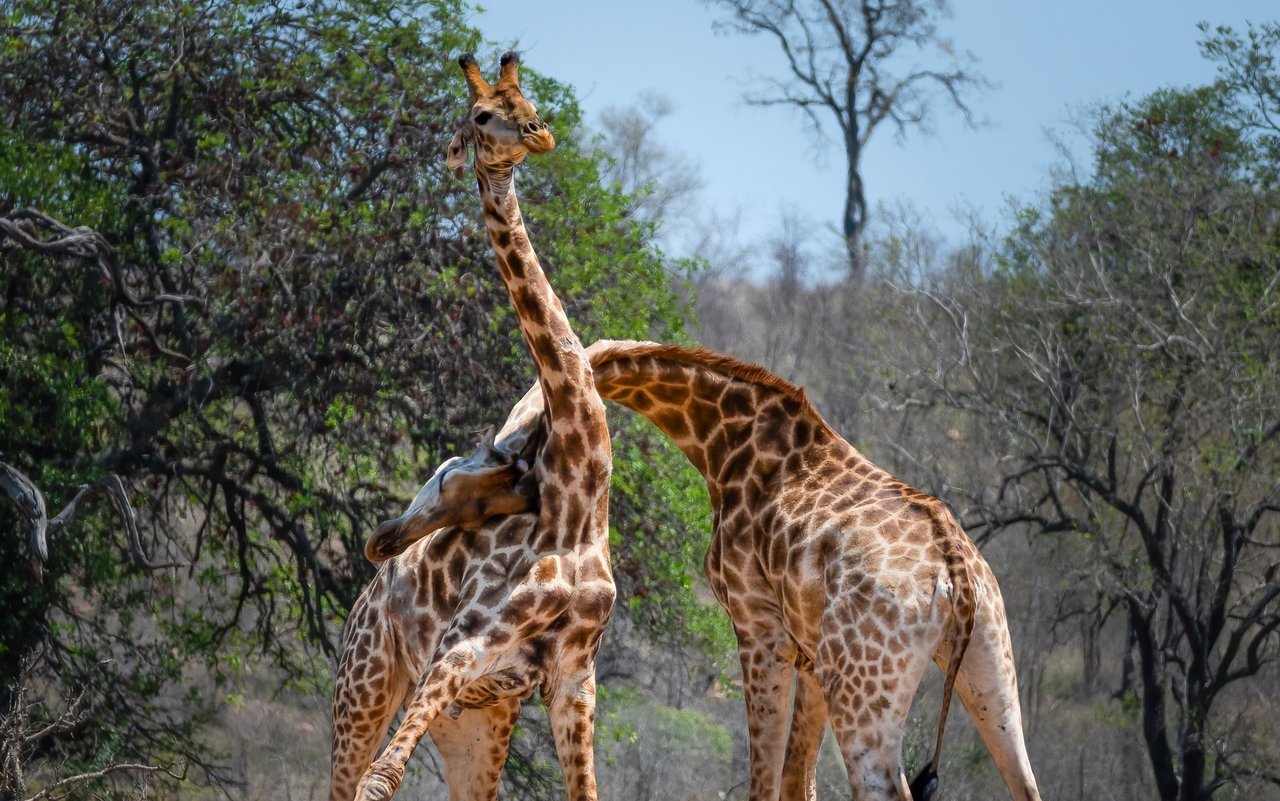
[483,117]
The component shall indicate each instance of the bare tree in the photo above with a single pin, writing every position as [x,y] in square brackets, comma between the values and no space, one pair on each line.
[858,64]
[1123,360]
[24,729]
[789,315]
[662,183]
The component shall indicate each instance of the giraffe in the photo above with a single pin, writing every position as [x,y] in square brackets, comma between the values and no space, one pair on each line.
[396,626]
[831,570]
[483,602]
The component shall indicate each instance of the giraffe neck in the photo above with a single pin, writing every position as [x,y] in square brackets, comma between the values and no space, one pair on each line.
[575,462]
[729,426]
[564,373]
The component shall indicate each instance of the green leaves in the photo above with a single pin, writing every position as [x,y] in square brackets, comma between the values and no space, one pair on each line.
[297,320]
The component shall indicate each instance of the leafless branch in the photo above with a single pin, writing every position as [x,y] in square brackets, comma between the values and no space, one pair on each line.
[841,56]
[31,502]
[22,226]
[62,787]
[23,229]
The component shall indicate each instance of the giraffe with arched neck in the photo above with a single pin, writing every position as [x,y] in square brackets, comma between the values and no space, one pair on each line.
[831,570]
[520,603]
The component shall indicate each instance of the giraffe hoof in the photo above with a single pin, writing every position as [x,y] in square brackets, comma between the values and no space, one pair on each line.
[379,783]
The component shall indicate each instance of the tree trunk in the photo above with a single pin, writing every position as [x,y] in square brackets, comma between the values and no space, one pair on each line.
[1153,710]
[1193,759]
[1126,662]
[855,217]
[1191,742]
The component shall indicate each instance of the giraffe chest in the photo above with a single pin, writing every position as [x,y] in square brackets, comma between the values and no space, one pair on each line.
[540,617]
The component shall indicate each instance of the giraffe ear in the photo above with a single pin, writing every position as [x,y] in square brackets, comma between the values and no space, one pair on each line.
[456,156]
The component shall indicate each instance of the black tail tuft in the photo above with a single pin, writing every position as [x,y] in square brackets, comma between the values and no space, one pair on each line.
[924,785]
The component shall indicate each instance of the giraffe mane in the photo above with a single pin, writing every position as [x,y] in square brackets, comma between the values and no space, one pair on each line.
[606,350]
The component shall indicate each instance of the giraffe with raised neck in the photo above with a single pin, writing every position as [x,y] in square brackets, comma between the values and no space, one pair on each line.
[832,571]
[502,600]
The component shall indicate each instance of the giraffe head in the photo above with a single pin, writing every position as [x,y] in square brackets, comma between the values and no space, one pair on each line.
[501,125]
[463,492]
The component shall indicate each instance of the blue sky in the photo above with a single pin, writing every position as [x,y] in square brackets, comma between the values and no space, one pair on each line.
[1049,61]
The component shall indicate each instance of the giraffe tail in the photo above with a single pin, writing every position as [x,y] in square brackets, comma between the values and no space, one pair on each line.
[924,784]
[949,541]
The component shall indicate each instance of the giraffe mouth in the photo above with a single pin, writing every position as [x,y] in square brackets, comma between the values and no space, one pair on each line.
[425,514]
[538,141]
[393,537]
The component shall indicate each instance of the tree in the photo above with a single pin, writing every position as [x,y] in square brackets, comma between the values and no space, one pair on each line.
[661,182]
[851,63]
[1122,355]
[243,287]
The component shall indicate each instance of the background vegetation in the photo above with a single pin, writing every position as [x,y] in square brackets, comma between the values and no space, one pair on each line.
[237,280]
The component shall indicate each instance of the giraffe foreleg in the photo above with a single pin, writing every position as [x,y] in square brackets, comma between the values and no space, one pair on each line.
[808,722]
[473,747]
[368,688]
[436,691]
[572,708]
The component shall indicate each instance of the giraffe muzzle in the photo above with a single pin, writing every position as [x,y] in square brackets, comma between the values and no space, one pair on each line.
[537,138]
[389,539]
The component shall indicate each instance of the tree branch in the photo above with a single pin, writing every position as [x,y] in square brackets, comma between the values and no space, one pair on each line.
[59,788]
[20,229]
[31,502]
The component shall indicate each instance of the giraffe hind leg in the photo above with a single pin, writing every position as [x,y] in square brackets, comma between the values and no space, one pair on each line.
[988,687]
[473,747]
[808,722]
[868,684]
[367,691]
[768,665]
[869,734]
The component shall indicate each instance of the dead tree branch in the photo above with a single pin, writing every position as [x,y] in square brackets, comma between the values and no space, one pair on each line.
[30,502]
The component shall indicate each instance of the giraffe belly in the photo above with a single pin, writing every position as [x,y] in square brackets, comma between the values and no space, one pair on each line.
[492,688]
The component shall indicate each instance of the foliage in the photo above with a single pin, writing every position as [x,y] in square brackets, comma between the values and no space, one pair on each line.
[660,752]
[294,317]
[660,556]
[1248,69]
